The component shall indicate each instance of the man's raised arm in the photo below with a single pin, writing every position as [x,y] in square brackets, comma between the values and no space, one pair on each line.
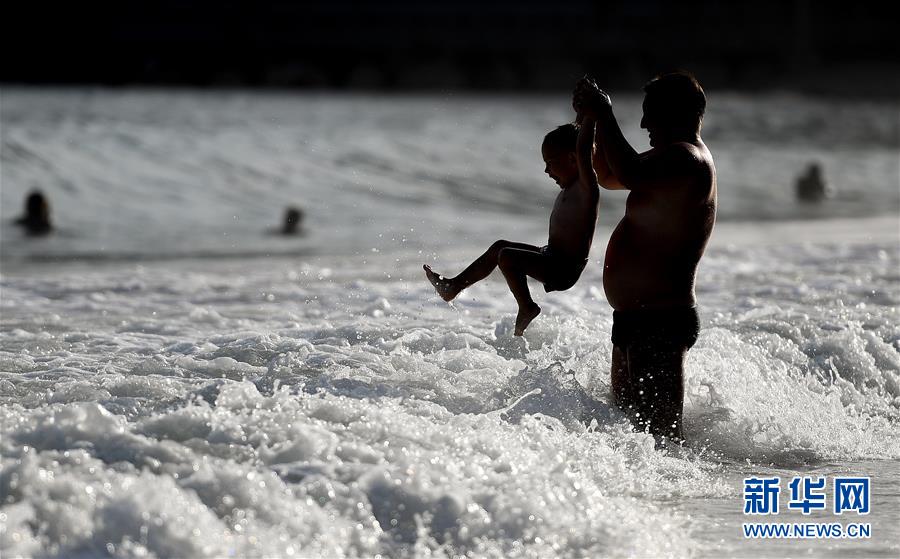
[658,167]
[632,170]
[615,154]
[605,176]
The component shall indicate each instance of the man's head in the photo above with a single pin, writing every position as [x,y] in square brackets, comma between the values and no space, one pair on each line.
[673,107]
[558,151]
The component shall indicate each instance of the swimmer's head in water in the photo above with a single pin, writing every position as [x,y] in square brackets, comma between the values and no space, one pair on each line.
[558,151]
[673,107]
[36,220]
[36,206]
[292,218]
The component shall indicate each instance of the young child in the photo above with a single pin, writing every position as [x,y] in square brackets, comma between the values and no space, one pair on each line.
[567,154]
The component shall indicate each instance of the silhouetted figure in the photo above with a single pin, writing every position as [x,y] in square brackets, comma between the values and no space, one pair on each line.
[652,257]
[293,217]
[811,186]
[567,157]
[36,220]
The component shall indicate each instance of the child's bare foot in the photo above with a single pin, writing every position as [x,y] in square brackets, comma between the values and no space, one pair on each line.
[442,285]
[524,318]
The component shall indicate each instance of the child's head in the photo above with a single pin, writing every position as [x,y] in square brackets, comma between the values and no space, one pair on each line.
[558,151]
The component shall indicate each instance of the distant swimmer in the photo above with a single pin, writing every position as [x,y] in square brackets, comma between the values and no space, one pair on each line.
[36,220]
[652,256]
[293,217]
[811,186]
[558,265]
[292,224]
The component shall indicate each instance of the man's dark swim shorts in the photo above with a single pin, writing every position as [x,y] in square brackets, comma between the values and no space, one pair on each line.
[560,273]
[677,328]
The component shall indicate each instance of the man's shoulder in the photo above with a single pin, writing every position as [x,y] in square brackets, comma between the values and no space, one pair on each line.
[682,150]
[684,155]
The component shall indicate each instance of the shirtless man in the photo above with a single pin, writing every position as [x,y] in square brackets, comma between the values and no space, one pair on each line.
[653,253]
[567,160]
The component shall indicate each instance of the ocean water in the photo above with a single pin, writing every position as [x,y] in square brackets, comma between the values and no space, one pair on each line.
[177,382]
[163,174]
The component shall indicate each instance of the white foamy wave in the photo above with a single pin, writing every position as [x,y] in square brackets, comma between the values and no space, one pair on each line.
[333,409]
[318,474]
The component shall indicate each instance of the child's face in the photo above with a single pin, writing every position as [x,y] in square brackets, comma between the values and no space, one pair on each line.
[560,165]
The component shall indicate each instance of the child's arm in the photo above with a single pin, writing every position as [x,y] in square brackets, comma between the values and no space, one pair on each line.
[584,147]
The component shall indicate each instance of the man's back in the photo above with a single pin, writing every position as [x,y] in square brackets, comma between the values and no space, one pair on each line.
[652,256]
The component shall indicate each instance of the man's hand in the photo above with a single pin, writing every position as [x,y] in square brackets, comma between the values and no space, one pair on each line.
[588,100]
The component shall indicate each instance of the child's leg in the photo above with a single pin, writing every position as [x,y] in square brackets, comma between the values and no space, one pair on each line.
[449,288]
[516,265]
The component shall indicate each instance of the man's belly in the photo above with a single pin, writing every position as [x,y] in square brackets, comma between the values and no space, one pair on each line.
[647,273]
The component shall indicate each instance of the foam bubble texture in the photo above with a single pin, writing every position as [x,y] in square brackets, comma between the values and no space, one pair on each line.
[233,411]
